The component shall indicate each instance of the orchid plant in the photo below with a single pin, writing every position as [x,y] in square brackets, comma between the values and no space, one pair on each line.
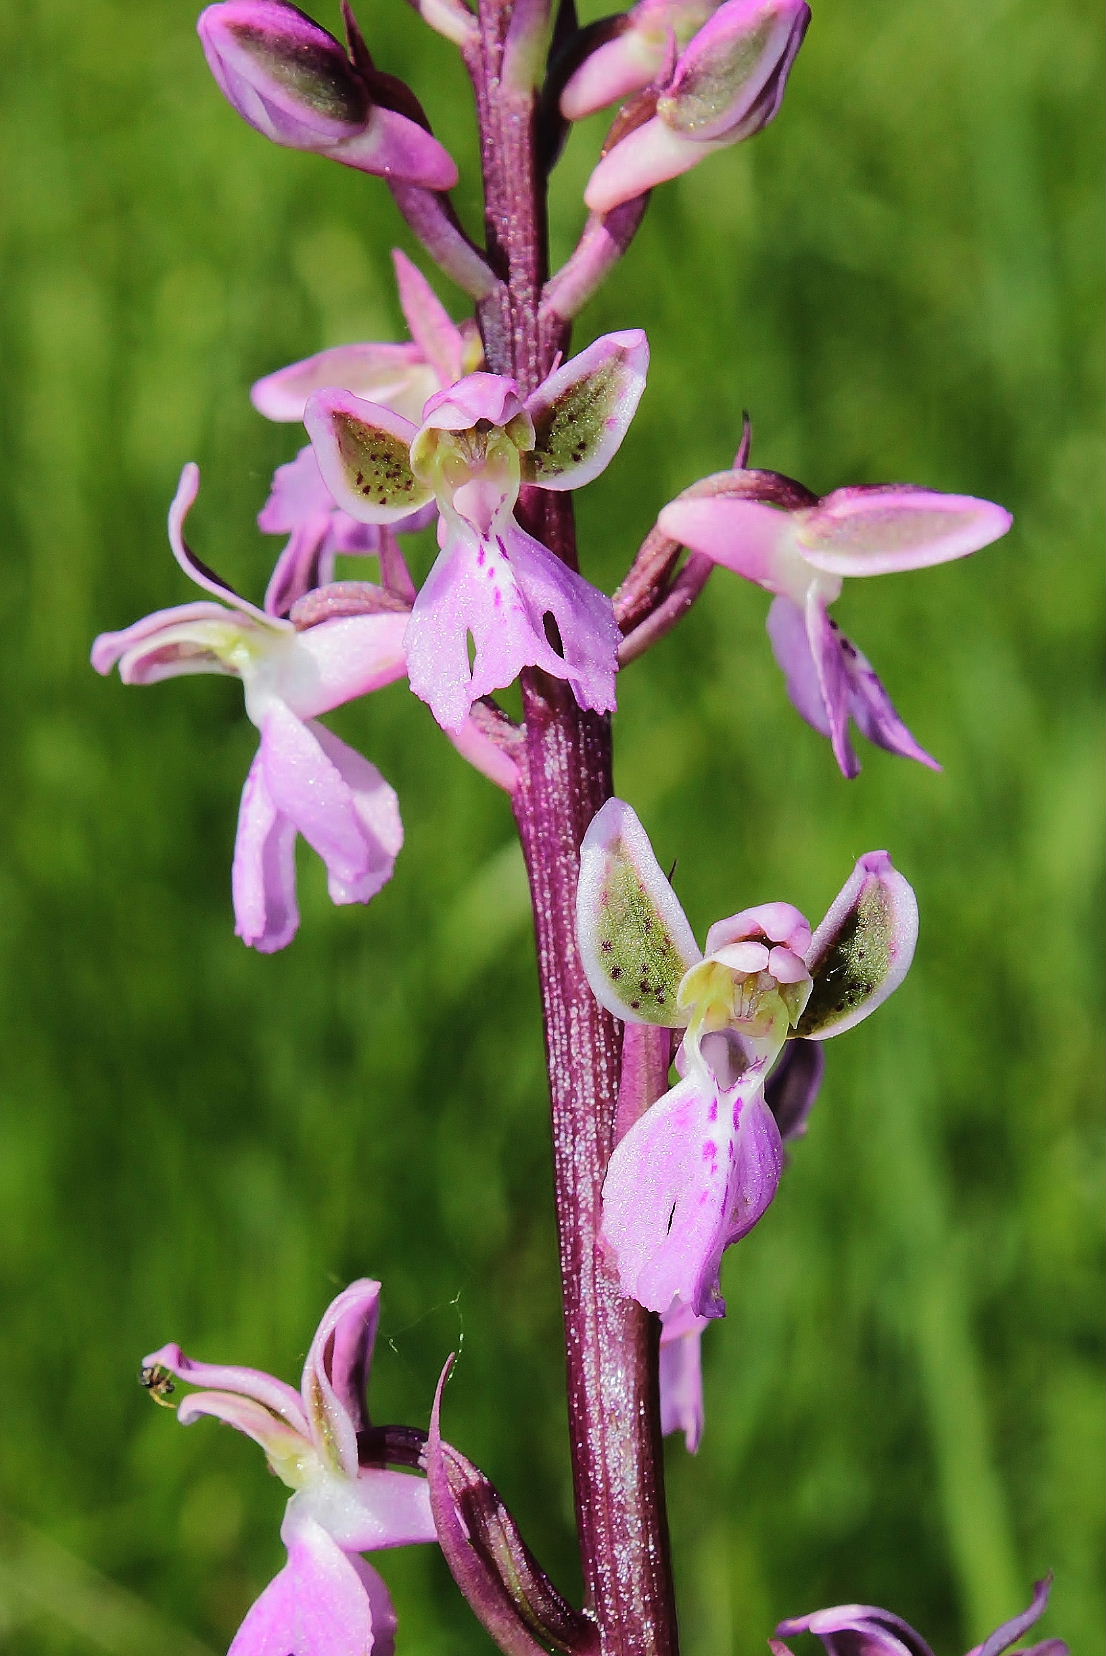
[484,428]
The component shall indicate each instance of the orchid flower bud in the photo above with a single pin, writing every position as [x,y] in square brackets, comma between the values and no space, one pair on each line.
[296,84]
[727,85]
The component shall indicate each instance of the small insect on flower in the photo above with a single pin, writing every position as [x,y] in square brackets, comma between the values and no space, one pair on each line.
[159,1383]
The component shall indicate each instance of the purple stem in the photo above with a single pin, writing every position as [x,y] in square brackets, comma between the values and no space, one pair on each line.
[565,776]
[605,238]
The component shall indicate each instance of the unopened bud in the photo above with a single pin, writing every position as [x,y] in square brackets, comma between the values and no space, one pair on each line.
[296,84]
[728,84]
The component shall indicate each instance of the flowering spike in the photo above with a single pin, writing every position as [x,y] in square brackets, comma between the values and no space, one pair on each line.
[728,84]
[635,941]
[862,950]
[582,411]
[505,1586]
[296,84]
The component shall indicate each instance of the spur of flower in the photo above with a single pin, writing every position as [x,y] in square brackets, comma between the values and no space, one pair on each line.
[304,780]
[398,376]
[698,1170]
[326,1601]
[864,1630]
[478,444]
[776,533]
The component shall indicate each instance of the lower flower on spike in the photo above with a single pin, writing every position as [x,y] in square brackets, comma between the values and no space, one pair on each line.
[702,1165]
[864,1630]
[326,1601]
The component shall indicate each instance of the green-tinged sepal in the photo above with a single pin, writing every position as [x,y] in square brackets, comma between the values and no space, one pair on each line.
[862,950]
[364,454]
[635,940]
[582,411]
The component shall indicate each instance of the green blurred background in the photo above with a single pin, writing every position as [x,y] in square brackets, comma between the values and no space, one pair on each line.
[900,281]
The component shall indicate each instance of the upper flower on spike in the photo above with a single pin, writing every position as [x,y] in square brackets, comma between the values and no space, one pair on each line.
[303,780]
[773,531]
[296,84]
[727,85]
[326,1601]
[400,377]
[633,55]
[863,1630]
[478,444]
[702,1165]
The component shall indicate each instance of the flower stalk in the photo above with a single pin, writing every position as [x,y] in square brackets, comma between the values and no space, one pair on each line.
[565,777]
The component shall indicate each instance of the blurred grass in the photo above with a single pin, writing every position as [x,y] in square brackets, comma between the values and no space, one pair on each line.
[899,281]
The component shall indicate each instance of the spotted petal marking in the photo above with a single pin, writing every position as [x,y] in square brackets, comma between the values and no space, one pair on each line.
[635,940]
[862,950]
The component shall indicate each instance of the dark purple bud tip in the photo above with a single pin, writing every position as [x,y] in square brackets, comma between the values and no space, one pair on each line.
[284,74]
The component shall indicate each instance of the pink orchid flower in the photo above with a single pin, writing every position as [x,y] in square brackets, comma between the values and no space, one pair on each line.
[304,780]
[478,444]
[727,85]
[864,1630]
[326,1601]
[297,85]
[400,377]
[698,1170]
[773,531]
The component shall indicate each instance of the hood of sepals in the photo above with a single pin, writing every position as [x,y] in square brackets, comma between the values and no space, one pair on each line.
[754,981]
[475,470]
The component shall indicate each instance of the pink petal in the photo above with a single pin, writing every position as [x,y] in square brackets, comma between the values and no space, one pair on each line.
[583,410]
[779,922]
[337,801]
[791,647]
[751,538]
[377,1508]
[872,531]
[869,1631]
[168,643]
[499,591]
[271,1394]
[341,659]
[263,878]
[196,570]
[649,155]
[481,396]
[826,648]
[695,1173]
[382,374]
[336,1373]
[323,1603]
[874,711]
[681,1374]
[584,617]
[283,1445]
[730,80]
[437,337]
[612,72]
[391,146]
